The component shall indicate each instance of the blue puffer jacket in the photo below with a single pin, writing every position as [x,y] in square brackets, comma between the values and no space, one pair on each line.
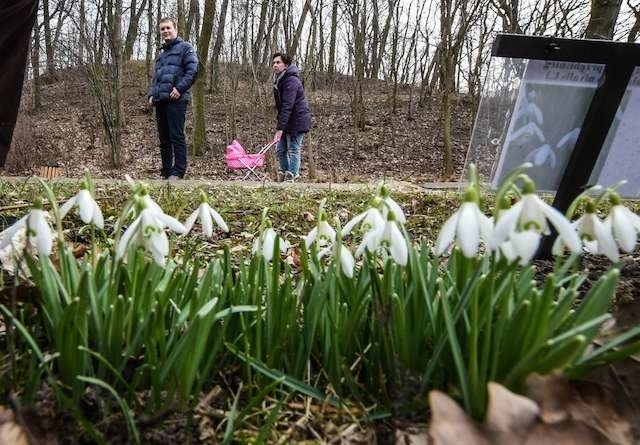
[294,115]
[176,66]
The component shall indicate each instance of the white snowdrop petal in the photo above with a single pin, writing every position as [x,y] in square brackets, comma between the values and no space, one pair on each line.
[159,242]
[170,222]
[623,229]
[43,236]
[396,209]
[563,226]
[399,250]
[327,231]
[447,233]
[606,244]
[191,220]
[218,219]
[85,205]
[634,219]
[98,219]
[506,225]
[533,210]
[467,230]
[267,244]
[311,237]
[525,244]
[7,235]
[352,223]
[123,244]
[64,208]
[347,262]
[205,220]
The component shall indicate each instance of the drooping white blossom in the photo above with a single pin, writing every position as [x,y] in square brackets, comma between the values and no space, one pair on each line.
[264,244]
[467,227]
[148,231]
[533,216]
[87,208]
[624,224]
[207,216]
[38,230]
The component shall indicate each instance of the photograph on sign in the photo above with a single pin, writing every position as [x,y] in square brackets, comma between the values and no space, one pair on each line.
[548,114]
[622,144]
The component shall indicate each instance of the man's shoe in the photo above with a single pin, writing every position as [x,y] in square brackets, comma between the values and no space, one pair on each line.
[173,178]
[290,177]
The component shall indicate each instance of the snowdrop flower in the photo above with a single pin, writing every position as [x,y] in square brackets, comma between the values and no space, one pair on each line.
[624,224]
[207,216]
[265,242]
[347,263]
[466,226]
[147,231]
[595,234]
[322,233]
[370,220]
[531,214]
[392,239]
[389,204]
[87,207]
[522,244]
[36,224]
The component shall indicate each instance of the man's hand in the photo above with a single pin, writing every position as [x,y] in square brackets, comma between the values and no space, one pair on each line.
[150,101]
[175,94]
[277,136]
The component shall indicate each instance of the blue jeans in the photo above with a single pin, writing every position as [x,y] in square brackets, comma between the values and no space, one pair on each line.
[288,152]
[173,149]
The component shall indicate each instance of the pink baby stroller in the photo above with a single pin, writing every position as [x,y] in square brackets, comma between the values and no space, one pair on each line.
[238,159]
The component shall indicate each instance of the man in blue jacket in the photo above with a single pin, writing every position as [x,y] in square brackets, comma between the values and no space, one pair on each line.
[175,71]
[294,116]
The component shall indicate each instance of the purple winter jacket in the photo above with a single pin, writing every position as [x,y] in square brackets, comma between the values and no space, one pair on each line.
[294,115]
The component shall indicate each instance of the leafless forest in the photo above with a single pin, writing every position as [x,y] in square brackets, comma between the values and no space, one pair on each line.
[414,51]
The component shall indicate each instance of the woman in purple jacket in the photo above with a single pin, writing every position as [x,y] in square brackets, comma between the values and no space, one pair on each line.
[294,117]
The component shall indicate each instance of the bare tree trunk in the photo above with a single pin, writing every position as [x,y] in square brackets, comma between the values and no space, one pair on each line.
[182,25]
[358,24]
[447,76]
[217,46]
[199,139]
[332,38]
[377,58]
[81,24]
[157,34]
[260,35]
[35,66]
[602,22]
[291,50]
[245,34]
[322,43]
[102,12]
[132,31]
[193,20]
[150,31]
[117,55]
[48,37]
[508,10]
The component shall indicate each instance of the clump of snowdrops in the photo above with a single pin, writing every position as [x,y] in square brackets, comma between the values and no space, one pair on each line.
[382,323]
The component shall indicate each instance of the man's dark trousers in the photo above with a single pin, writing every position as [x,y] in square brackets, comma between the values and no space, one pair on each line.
[173,149]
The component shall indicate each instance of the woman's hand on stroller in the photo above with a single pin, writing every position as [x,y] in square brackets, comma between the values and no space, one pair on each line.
[277,136]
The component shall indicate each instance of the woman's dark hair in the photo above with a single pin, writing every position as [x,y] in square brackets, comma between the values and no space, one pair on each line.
[285,59]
